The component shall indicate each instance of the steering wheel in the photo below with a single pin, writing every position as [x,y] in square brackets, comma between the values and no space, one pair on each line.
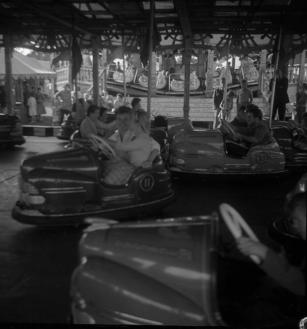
[237,225]
[228,129]
[103,146]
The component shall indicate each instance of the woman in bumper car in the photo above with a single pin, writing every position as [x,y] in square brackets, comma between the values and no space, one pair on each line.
[133,145]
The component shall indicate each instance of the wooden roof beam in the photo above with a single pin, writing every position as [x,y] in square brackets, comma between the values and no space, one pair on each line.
[54,18]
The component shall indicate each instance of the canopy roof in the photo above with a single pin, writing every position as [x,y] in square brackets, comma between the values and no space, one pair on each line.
[26,67]
[244,25]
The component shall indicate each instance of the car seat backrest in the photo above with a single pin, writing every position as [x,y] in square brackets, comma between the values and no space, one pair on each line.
[159,136]
[281,132]
[157,161]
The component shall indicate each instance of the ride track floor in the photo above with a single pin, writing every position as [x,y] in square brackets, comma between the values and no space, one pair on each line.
[36,264]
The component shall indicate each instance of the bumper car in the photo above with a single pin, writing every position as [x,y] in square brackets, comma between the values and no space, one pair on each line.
[292,144]
[10,131]
[67,186]
[67,128]
[207,152]
[164,272]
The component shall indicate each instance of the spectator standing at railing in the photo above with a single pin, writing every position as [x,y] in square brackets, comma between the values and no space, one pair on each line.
[40,99]
[281,97]
[136,104]
[218,96]
[245,96]
[66,102]
[119,101]
[32,105]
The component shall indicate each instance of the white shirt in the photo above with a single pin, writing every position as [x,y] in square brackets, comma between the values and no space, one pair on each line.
[136,149]
[32,105]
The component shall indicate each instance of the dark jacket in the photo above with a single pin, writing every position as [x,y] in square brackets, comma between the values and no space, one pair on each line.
[218,97]
[281,90]
[288,276]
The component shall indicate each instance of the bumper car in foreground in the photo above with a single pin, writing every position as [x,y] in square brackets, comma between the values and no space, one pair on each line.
[62,188]
[206,152]
[163,272]
[10,131]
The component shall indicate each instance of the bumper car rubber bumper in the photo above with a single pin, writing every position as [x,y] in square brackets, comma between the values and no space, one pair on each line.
[35,217]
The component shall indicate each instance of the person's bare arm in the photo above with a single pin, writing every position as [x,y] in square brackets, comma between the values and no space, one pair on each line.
[251,96]
[275,265]
[153,154]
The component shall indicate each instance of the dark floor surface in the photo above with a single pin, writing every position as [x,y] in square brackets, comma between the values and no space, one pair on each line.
[36,264]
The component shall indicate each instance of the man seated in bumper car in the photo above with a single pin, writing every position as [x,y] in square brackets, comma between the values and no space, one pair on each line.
[132,144]
[256,133]
[93,125]
[240,120]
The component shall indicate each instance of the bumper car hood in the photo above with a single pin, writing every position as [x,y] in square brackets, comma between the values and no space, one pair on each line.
[161,271]
[72,160]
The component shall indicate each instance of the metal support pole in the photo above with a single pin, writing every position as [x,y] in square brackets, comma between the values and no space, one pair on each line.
[76,89]
[124,68]
[226,80]
[274,79]
[150,48]
[8,53]
[302,67]
[95,75]
[186,99]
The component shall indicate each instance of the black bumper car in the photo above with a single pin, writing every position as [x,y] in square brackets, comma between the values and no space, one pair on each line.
[292,143]
[163,272]
[62,188]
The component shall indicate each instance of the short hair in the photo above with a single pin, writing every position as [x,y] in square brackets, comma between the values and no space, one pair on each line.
[160,121]
[123,110]
[254,110]
[120,95]
[135,101]
[92,109]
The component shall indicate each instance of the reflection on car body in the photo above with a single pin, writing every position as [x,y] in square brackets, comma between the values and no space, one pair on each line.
[65,187]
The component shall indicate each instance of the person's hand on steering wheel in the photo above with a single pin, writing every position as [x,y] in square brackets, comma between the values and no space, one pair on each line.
[249,247]
[102,145]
